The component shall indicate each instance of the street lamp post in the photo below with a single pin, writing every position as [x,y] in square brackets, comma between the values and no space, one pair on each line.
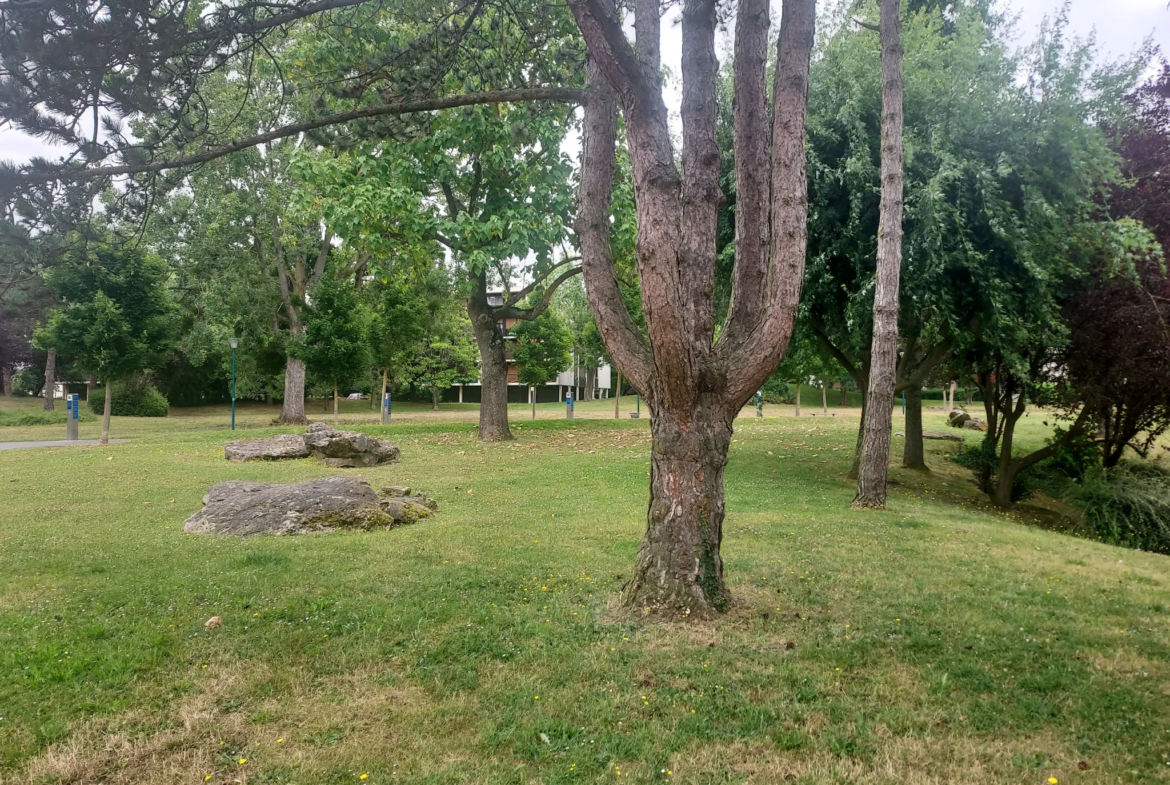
[235,342]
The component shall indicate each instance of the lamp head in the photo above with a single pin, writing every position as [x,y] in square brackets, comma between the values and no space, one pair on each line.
[235,342]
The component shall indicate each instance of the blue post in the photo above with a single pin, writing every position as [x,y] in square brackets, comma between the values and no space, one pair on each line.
[73,412]
[569,406]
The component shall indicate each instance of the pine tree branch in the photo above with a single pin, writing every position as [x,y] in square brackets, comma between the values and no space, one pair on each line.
[405,107]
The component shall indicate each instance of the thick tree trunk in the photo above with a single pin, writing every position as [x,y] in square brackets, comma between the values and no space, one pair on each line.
[292,410]
[951,402]
[844,394]
[50,379]
[6,380]
[493,371]
[875,454]
[798,399]
[679,570]
[106,412]
[435,399]
[914,453]
[335,404]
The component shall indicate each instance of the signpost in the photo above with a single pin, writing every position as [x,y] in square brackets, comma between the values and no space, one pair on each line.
[759,403]
[386,403]
[72,415]
[569,406]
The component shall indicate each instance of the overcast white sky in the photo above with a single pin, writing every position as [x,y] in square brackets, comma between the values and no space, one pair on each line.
[1120,25]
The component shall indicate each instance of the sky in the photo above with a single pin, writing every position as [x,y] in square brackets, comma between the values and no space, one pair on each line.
[1120,27]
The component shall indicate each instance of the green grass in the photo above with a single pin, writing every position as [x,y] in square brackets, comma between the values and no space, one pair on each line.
[936,642]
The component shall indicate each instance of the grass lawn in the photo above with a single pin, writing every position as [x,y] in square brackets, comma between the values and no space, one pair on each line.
[936,642]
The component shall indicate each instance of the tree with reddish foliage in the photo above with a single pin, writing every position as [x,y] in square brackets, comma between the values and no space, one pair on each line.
[1118,358]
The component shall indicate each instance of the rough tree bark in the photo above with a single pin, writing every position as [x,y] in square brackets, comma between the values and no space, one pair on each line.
[292,410]
[797,399]
[824,399]
[875,449]
[693,385]
[106,412]
[844,394]
[914,452]
[6,380]
[50,379]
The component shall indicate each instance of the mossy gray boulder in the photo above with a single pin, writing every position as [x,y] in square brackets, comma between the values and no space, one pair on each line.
[244,508]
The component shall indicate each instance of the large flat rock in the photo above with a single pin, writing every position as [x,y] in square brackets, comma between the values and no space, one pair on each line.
[276,448]
[327,504]
[348,448]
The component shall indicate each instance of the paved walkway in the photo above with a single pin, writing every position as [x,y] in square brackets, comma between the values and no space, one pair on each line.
[59,443]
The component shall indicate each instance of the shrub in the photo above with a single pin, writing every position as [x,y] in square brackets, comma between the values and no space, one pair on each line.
[134,397]
[1128,504]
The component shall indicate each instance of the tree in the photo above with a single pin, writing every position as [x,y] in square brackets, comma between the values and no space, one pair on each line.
[445,356]
[335,346]
[693,384]
[116,316]
[541,351]
[875,447]
[488,183]
[408,306]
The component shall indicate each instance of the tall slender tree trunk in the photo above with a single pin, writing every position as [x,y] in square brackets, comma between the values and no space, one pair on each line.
[6,380]
[914,452]
[90,384]
[335,404]
[798,399]
[106,412]
[50,379]
[875,453]
[617,398]
[532,392]
[824,398]
[493,371]
[435,399]
[855,468]
[679,565]
[844,394]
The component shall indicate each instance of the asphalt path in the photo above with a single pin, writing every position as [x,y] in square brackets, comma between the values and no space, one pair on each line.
[58,443]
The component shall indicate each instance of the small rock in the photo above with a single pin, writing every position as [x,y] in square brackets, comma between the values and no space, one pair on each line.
[394,490]
[212,623]
[975,424]
[957,417]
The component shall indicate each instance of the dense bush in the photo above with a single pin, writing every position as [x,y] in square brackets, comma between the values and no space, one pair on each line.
[1128,504]
[135,397]
[1027,482]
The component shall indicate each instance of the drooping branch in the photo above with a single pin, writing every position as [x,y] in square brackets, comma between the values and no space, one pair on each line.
[575,95]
